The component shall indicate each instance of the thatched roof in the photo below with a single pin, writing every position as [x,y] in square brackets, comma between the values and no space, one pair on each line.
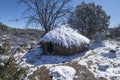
[65,36]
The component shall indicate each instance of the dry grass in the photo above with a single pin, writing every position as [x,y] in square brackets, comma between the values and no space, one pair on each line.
[41,73]
[82,72]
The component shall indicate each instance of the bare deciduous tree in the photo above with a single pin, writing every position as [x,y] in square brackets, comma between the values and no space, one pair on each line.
[45,12]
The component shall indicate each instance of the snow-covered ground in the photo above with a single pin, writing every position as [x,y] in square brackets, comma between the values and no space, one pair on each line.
[103,60]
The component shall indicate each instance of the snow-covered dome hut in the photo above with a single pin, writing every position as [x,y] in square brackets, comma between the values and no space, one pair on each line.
[63,40]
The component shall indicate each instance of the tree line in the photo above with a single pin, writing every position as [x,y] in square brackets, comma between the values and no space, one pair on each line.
[87,18]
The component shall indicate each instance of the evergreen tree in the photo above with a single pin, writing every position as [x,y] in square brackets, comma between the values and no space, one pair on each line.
[3,28]
[89,19]
[115,32]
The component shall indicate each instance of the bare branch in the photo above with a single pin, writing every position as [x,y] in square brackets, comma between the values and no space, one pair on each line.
[45,12]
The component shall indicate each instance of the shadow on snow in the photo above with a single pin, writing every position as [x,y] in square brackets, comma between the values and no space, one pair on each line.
[35,57]
[94,45]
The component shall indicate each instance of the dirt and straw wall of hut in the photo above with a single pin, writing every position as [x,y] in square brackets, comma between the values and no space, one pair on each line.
[49,48]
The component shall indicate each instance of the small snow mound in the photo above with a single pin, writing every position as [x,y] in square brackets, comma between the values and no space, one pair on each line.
[62,73]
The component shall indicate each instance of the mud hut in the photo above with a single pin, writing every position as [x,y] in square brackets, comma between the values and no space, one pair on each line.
[63,40]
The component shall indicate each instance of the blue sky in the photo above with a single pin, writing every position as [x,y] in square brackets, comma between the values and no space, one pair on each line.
[9,11]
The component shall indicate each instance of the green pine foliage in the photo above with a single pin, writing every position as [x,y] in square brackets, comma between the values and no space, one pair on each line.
[89,18]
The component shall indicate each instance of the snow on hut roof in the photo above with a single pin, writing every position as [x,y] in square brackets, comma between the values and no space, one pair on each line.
[65,36]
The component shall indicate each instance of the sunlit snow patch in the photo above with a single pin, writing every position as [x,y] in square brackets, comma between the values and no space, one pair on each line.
[62,73]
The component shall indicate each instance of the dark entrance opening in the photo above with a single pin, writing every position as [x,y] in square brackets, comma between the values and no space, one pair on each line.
[50,47]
